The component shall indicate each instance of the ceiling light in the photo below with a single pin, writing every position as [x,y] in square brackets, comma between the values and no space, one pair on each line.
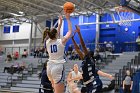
[20,12]
[15,14]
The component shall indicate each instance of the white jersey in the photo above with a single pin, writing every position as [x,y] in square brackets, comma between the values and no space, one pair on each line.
[55,50]
[74,75]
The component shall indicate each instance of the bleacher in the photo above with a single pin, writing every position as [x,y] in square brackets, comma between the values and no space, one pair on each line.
[134,67]
[9,81]
[28,81]
[117,64]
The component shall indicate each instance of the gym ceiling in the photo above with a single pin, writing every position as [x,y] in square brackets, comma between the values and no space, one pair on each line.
[39,10]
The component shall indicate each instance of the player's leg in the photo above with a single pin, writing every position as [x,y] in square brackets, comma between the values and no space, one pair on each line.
[59,88]
[58,78]
[99,85]
[77,48]
[73,88]
[90,88]
[49,69]
[81,40]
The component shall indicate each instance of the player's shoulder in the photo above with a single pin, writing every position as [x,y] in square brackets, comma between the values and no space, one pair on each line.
[47,41]
[60,41]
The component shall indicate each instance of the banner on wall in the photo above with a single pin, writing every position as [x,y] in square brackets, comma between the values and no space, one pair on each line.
[6,29]
[16,28]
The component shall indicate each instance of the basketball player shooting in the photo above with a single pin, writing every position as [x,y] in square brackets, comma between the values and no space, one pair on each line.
[55,48]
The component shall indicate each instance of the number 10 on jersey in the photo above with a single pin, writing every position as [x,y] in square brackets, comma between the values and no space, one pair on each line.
[53,48]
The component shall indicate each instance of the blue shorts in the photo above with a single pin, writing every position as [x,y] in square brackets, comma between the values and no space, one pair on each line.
[94,87]
[91,88]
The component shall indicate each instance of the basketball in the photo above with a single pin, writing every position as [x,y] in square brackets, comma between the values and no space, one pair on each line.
[68,7]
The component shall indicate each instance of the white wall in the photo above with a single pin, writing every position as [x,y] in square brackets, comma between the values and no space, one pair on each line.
[11,39]
[24,30]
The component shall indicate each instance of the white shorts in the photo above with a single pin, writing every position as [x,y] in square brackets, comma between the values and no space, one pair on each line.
[55,72]
[72,87]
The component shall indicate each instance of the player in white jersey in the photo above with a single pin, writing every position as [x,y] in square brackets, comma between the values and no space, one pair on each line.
[55,48]
[73,79]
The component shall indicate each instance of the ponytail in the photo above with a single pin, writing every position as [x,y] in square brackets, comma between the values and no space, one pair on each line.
[45,33]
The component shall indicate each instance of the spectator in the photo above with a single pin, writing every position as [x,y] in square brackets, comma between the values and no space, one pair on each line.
[9,58]
[73,79]
[45,54]
[109,46]
[104,45]
[138,42]
[32,52]
[41,51]
[14,68]
[21,67]
[45,81]
[97,56]
[127,82]
[7,69]
[36,53]
[70,49]
[1,51]
[73,55]
[25,54]
[16,55]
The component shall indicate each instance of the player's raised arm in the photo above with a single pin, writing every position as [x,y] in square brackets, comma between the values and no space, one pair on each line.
[81,40]
[68,34]
[59,25]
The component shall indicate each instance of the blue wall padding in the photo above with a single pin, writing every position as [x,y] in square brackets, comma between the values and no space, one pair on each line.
[87,31]
[48,23]
[108,32]
[136,83]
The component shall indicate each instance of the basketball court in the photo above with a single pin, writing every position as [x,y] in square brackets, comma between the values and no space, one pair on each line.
[110,28]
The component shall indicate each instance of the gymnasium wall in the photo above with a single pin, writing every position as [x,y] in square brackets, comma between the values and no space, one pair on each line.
[88,31]
[118,35]
[21,38]
[136,82]
[108,32]
[24,29]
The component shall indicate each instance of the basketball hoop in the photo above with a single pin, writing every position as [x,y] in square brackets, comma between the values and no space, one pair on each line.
[125,16]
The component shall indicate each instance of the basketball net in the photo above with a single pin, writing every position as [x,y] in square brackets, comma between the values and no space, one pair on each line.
[125,16]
